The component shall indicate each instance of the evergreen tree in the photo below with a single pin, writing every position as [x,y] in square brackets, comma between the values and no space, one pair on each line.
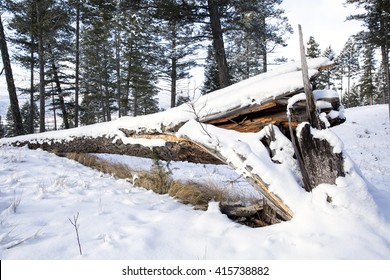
[42,27]
[325,80]
[313,48]
[211,81]
[255,29]
[140,62]
[353,97]
[98,60]
[366,82]
[380,85]
[14,103]
[26,111]
[348,63]
[178,42]
[376,18]
[23,24]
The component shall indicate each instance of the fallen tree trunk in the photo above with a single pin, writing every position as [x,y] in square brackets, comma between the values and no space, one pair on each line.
[192,132]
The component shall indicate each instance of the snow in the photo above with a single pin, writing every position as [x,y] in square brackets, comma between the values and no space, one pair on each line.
[117,220]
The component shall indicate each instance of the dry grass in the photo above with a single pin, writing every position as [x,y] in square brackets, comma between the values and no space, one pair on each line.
[118,170]
[159,180]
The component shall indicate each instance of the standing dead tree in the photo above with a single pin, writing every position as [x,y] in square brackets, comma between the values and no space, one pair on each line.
[316,151]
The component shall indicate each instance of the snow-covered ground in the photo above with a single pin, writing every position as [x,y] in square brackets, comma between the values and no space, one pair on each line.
[40,192]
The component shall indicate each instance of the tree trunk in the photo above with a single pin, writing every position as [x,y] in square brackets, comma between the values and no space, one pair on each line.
[41,59]
[118,63]
[385,62]
[60,96]
[218,44]
[77,74]
[32,100]
[13,98]
[173,82]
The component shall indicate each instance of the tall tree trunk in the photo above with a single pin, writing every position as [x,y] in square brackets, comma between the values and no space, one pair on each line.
[60,95]
[385,62]
[264,47]
[173,81]
[13,98]
[117,62]
[41,59]
[218,44]
[54,108]
[77,78]
[32,107]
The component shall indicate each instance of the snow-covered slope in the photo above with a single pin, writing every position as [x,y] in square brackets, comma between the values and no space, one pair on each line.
[39,192]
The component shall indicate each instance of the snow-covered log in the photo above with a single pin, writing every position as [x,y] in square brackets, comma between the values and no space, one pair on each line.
[211,130]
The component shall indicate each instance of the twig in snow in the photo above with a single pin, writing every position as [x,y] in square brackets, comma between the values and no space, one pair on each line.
[76,227]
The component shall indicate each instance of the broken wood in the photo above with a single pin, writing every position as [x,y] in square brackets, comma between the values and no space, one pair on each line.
[164,139]
[317,160]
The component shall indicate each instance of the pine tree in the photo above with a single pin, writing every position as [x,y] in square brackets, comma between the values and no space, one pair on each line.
[376,18]
[313,48]
[26,111]
[140,63]
[14,103]
[353,97]
[211,81]
[366,82]
[178,42]
[42,27]
[380,85]
[98,59]
[325,80]
[254,29]
[348,63]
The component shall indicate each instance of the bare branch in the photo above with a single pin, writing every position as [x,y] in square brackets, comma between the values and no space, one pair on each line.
[76,227]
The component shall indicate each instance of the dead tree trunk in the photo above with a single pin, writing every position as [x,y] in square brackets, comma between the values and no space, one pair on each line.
[320,163]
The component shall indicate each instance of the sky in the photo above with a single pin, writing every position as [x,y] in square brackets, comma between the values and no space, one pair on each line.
[323,19]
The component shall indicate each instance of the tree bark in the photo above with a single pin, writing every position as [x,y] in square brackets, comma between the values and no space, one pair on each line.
[218,44]
[77,74]
[60,95]
[41,61]
[32,90]
[311,109]
[13,98]
[173,67]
